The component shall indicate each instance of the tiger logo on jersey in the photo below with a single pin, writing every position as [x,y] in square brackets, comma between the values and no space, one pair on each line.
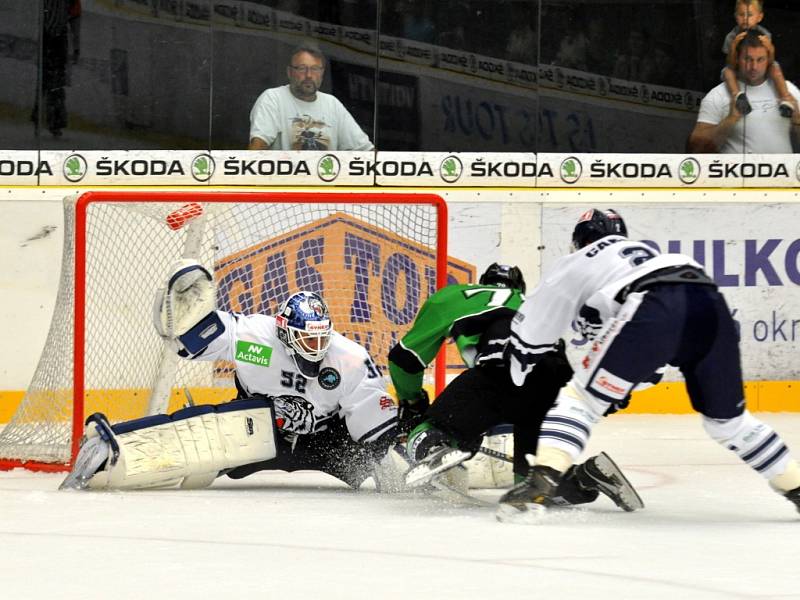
[295,414]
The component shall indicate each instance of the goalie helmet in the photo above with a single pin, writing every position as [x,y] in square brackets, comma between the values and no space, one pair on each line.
[503,276]
[595,224]
[304,326]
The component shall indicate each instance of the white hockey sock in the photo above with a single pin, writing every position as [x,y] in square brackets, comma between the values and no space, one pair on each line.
[555,458]
[755,442]
[568,425]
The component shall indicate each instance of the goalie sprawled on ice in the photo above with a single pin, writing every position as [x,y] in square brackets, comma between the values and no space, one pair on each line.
[309,398]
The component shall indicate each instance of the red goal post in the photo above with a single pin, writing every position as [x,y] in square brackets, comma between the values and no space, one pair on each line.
[375,257]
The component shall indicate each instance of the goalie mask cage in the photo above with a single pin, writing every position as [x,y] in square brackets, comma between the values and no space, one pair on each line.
[374,258]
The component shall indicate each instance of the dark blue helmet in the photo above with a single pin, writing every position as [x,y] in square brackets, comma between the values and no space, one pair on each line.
[304,326]
[595,224]
[503,276]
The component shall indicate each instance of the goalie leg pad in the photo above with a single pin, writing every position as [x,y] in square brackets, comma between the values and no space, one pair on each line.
[489,472]
[188,448]
[390,472]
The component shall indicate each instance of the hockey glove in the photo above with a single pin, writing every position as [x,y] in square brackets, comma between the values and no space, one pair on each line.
[617,406]
[556,365]
[411,411]
[654,379]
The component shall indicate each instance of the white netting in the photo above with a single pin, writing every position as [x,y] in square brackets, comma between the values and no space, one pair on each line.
[373,263]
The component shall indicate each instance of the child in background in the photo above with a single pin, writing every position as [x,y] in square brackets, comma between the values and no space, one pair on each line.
[748,14]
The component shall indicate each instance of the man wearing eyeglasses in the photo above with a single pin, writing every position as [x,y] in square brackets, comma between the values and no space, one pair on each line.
[298,116]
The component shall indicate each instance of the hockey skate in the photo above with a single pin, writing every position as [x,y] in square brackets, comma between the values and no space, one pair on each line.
[93,454]
[602,474]
[527,501]
[793,496]
[439,460]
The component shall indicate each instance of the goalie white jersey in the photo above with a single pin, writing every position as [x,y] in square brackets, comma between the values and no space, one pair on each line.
[582,286]
[348,385]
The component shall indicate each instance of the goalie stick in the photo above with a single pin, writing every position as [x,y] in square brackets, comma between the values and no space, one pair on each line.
[191,216]
[496,454]
[189,398]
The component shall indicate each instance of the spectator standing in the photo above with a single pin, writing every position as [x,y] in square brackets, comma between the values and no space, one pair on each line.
[417,22]
[749,13]
[74,23]
[598,61]
[721,126]
[55,45]
[523,43]
[573,50]
[665,67]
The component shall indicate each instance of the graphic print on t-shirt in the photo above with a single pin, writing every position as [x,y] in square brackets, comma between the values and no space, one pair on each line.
[309,134]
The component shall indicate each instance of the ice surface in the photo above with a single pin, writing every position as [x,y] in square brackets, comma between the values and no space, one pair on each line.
[711,529]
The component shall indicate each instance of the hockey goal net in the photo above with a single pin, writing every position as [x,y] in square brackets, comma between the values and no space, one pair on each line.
[374,257]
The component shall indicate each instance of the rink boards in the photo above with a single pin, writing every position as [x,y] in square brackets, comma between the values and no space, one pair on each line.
[746,238]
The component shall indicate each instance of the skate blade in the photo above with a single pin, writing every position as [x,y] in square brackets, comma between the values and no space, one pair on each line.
[423,473]
[630,499]
[452,495]
[531,514]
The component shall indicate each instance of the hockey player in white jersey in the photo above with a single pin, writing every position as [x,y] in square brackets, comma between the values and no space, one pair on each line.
[640,310]
[322,391]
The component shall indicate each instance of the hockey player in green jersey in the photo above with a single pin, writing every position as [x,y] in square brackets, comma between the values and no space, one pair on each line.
[460,312]
[477,317]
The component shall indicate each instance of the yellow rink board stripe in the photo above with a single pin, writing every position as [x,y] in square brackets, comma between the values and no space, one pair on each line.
[665,398]
[760,396]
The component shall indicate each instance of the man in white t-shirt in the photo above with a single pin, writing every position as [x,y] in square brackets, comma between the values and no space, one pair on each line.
[298,116]
[722,128]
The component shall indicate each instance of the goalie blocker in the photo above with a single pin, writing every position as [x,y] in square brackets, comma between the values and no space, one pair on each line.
[188,448]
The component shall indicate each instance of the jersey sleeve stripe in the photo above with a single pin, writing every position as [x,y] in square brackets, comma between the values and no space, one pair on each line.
[377,431]
[526,348]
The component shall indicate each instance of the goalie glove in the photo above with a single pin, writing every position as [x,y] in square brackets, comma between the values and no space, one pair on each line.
[183,310]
